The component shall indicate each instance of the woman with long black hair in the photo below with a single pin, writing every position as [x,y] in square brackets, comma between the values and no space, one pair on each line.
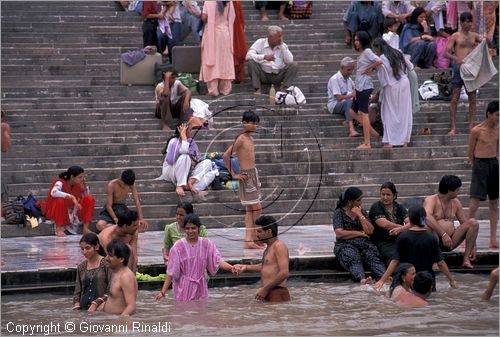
[396,105]
[416,40]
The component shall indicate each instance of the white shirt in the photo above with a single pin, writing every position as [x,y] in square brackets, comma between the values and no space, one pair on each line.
[392,39]
[338,85]
[174,92]
[261,47]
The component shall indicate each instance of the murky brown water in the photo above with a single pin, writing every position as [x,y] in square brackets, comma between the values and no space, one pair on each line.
[316,309]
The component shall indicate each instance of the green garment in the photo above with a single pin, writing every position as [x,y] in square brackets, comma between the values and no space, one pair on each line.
[172,234]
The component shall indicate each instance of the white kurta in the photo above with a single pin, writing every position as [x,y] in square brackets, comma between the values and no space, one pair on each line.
[396,105]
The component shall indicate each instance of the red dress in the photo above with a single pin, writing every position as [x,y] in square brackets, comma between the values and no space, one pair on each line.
[239,43]
[58,209]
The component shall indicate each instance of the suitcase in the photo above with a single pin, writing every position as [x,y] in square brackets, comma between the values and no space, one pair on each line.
[187,59]
[140,73]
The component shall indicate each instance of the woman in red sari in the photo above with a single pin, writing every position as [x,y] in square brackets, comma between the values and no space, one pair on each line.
[69,201]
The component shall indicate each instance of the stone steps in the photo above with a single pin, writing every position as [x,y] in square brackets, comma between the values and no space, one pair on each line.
[61,89]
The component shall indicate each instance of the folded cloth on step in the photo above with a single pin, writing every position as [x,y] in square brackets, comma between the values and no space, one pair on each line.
[133,57]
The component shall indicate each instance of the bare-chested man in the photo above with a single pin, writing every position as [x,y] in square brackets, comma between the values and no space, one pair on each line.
[116,196]
[126,232]
[462,43]
[248,177]
[274,266]
[483,155]
[442,209]
[123,287]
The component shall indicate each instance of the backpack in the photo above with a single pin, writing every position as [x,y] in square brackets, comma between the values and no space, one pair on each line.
[301,10]
[13,212]
[31,206]
[189,82]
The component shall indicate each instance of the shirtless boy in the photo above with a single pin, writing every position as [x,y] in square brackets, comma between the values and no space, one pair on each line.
[116,196]
[123,287]
[442,209]
[462,43]
[274,266]
[125,231]
[483,155]
[248,177]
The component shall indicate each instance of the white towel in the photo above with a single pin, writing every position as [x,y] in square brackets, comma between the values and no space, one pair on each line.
[478,68]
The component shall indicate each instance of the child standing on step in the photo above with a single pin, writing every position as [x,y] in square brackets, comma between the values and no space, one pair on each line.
[248,177]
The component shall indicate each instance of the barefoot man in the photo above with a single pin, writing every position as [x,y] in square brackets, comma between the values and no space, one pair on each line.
[462,43]
[442,209]
[483,156]
[116,196]
[123,287]
[125,231]
[274,266]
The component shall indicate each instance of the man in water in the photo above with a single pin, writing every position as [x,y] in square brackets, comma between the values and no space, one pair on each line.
[442,209]
[274,266]
[123,288]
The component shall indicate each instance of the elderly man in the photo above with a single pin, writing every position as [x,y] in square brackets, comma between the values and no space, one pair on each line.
[341,93]
[271,62]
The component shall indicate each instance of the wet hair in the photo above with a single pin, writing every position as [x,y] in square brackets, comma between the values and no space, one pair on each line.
[422,283]
[417,214]
[126,217]
[449,183]
[273,30]
[397,276]
[93,240]
[389,22]
[364,39]
[492,108]
[169,69]
[185,205]
[128,177]
[193,219]
[351,194]
[389,185]
[250,116]
[268,222]
[465,16]
[414,17]
[395,57]
[118,249]
[72,171]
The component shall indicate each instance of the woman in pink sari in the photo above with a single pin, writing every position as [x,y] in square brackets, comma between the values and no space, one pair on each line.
[217,64]
[188,261]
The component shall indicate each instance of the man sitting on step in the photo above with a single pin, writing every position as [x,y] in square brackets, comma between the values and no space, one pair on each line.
[271,62]
[442,209]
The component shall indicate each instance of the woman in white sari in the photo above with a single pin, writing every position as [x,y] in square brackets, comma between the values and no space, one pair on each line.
[396,104]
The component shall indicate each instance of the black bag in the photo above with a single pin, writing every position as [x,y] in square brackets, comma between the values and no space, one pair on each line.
[13,212]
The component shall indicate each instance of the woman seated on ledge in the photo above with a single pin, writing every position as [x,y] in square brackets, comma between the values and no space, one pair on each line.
[389,219]
[353,247]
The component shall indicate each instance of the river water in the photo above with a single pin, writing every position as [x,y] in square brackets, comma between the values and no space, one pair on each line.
[336,309]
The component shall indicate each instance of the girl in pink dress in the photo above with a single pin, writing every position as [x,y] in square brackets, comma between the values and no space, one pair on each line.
[188,261]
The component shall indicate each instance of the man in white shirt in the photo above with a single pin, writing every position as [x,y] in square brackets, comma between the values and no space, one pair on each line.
[271,62]
[341,93]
